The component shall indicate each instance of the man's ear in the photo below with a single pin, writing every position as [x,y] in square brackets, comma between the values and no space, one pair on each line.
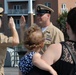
[49,15]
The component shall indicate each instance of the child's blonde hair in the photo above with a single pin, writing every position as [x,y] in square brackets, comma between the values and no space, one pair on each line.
[33,37]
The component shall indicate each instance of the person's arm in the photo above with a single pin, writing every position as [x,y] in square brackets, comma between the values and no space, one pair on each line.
[15,37]
[13,40]
[38,62]
[22,27]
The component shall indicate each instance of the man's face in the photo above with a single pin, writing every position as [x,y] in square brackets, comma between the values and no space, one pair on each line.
[42,19]
[0,22]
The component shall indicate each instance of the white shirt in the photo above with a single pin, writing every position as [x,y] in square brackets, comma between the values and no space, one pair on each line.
[44,29]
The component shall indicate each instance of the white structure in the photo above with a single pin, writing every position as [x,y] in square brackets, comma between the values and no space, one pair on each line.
[14,57]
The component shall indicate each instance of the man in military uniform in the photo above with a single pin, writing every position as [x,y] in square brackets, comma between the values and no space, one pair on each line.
[6,41]
[51,32]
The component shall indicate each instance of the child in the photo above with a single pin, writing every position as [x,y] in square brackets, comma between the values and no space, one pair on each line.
[34,42]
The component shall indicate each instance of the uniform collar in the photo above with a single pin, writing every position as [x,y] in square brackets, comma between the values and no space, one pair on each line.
[44,29]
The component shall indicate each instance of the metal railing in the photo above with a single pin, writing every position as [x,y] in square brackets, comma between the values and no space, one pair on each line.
[13,57]
[20,11]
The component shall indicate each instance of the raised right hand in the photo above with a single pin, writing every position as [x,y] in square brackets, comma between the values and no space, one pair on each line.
[11,23]
[22,22]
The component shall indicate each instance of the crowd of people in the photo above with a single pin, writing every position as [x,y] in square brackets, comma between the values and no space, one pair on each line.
[52,33]
[58,55]
[46,54]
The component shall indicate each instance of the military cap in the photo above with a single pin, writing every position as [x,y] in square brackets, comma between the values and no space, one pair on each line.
[40,8]
[1,10]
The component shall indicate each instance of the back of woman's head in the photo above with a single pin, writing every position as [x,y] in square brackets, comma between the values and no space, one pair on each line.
[71,19]
[33,37]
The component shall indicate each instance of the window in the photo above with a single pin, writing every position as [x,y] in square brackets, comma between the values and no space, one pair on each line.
[63,6]
[17,22]
[17,7]
[48,4]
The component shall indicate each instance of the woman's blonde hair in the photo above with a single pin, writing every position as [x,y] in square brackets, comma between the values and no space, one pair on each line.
[33,37]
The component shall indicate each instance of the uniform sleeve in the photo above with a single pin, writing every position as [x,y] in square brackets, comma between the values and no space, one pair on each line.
[5,41]
[58,37]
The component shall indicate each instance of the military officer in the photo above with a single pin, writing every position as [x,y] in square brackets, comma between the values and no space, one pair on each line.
[6,41]
[51,32]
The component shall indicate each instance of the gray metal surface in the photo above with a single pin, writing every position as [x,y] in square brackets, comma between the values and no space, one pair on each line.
[11,70]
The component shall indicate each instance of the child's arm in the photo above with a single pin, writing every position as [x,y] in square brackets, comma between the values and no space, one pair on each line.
[38,62]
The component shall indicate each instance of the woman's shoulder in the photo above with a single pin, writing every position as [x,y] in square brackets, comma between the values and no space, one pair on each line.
[55,47]
[53,52]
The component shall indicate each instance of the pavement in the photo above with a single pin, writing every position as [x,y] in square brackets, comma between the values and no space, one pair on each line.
[11,70]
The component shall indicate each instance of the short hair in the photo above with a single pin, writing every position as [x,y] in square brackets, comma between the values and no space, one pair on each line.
[33,37]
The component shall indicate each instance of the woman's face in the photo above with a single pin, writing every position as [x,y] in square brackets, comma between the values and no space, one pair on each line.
[0,22]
